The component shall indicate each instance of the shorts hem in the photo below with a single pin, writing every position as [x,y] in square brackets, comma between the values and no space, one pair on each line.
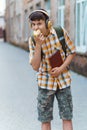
[63,118]
[43,121]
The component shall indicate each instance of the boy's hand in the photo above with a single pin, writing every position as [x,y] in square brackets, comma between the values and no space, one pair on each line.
[55,72]
[39,38]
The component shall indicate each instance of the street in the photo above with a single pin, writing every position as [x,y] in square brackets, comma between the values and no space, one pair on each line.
[18,93]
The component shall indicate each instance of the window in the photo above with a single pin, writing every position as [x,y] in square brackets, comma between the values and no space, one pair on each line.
[31,8]
[18,29]
[12,28]
[61,9]
[26,26]
[38,5]
[81,25]
[85,29]
[62,2]
[47,6]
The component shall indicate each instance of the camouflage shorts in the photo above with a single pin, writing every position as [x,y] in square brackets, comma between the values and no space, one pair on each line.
[45,104]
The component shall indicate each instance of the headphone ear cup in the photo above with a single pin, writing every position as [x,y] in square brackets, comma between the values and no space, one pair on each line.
[48,24]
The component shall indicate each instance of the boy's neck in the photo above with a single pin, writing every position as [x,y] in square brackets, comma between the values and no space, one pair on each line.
[47,33]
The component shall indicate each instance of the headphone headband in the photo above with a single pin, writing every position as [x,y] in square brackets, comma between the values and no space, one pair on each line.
[42,11]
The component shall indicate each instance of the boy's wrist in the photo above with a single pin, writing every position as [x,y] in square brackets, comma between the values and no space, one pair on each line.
[38,47]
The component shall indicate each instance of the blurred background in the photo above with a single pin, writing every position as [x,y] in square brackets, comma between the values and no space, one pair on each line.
[18,89]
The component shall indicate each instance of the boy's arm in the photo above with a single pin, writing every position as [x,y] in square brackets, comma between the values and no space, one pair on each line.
[35,52]
[35,61]
[70,55]
[58,70]
[67,61]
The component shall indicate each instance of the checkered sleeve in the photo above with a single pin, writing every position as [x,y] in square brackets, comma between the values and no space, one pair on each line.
[70,47]
[31,49]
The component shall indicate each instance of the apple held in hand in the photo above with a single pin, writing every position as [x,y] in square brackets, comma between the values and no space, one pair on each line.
[36,33]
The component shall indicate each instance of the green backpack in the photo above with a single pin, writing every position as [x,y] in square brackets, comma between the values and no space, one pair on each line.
[61,38]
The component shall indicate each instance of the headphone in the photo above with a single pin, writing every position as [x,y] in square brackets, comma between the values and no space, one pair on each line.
[48,22]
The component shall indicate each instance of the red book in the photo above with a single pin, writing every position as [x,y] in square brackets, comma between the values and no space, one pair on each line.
[56,59]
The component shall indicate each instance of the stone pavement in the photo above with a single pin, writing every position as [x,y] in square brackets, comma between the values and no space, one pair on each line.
[18,93]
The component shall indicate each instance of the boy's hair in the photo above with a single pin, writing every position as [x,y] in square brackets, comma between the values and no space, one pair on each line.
[38,15]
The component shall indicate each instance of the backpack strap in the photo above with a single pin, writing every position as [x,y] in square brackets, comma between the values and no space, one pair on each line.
[61,38]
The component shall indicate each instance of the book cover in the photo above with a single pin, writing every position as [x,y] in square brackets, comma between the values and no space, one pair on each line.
[56,59]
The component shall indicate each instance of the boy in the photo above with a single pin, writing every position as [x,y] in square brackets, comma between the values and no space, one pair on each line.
[52,82]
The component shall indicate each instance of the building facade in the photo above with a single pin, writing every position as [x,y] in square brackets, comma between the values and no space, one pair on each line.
[69,14]
[14,21]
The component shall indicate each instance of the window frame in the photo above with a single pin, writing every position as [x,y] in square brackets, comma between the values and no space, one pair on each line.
[47,6]
[61,13]
[81,45]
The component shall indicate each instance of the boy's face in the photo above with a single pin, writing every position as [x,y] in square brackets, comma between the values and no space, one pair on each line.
[41,25]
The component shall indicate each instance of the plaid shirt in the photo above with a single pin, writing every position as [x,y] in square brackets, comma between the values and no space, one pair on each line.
[45,80]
